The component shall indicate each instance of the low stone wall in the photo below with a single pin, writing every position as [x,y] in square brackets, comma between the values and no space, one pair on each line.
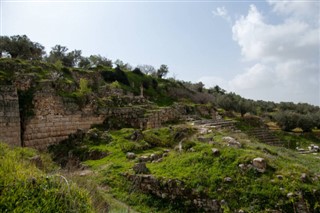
[174,190]
[9,116]
[157,118]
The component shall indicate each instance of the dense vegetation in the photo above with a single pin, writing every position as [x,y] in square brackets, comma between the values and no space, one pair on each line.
[28,184]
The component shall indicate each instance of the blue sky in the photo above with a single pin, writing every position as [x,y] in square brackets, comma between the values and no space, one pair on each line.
[259,49]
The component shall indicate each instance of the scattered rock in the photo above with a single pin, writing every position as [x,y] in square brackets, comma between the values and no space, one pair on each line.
[141,168]
[215,152]
[290,195]
[280,177]
[304,177]
[164,154]
[260,164]
[232,142]
[137,135]
[157,161]
[227,179]
[130,155]
[154,157]
[191,149]
[144,158]
[85,173]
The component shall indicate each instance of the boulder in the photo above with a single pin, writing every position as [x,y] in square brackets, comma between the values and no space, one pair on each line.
[215,152]
[260,164]
[144,158]
[227,179]
[141,168]
[232,142]
[130,155]
[304,177]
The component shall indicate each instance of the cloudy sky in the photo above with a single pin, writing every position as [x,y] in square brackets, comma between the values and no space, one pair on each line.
[265,50]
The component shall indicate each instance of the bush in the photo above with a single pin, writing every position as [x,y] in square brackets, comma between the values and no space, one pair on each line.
[24,188]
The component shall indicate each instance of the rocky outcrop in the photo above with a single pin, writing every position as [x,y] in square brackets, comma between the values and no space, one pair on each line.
[175,190]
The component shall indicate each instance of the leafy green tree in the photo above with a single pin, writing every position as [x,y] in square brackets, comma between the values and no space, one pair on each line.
[72,58]
[225,102]
[84,62]
[21,47]
[216,89]
[287,120]
[162,71]
[68,59]
[98,60]
[243,106]
[306,122]
[57,53]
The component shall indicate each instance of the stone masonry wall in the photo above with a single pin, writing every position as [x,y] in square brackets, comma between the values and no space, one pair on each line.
[158,117]
[52,122]
[9,116]
[55,117]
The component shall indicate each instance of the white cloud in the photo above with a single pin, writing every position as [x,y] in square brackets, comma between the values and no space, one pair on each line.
[222,12]
[296,9]
[257,76]
[286,54]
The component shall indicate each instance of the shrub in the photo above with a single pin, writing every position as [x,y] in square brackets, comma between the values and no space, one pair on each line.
[24,188]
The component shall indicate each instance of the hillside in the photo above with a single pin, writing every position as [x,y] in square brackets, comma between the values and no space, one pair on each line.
[140,142]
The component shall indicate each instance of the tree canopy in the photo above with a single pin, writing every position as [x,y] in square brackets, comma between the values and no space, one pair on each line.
[21,47]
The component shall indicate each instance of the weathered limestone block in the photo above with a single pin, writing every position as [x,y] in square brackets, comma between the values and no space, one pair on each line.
[9,116]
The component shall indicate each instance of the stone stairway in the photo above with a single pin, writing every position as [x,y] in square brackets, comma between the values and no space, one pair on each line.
[266,136]
[216,123]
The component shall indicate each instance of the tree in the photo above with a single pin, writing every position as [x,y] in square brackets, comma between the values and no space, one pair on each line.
[243,106]
[72,58]
[57,53]
[287,120]
[199,86]
[84,63]
[162,71]
[216,89]
[98,60]
[147,69]
[306,122]
[21,47]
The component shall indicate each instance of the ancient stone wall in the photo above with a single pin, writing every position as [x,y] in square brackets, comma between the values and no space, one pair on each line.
[53,122]
[157,118]
[55,117]
[9,116]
